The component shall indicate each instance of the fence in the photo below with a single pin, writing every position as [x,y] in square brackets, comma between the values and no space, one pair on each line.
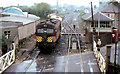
[100,59]
[6,60]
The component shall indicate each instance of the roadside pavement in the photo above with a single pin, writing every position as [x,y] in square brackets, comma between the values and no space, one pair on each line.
[103,52]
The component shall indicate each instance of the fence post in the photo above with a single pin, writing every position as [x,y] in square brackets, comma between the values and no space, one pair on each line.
[13,48]
[108,51]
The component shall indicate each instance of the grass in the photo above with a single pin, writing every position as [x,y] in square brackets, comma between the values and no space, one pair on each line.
[27,39]
[20,46]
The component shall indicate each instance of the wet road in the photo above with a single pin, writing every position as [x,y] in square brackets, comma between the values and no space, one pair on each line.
[74,64]
[59,64]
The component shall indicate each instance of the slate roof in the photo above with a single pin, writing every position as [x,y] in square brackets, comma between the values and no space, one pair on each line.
[111,8]
[103,17]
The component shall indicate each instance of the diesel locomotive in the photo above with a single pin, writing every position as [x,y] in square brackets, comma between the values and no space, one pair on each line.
[48,32]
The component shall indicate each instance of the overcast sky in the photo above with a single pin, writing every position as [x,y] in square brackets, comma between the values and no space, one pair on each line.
[4,3]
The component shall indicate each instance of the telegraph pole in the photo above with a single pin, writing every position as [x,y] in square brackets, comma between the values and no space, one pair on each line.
[93,24]
[57,3]
[57,7]
[119,35]
[99,20]
[92,15]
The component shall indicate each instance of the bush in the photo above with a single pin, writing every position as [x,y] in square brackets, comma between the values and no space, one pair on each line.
[3,44]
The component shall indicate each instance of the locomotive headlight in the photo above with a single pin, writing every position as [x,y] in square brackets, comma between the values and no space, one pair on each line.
[45,25]
[55,30]
[49,39]
[45,31]
[39,38]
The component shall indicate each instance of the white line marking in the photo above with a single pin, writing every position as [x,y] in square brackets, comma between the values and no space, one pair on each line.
[66,67]
[91,69]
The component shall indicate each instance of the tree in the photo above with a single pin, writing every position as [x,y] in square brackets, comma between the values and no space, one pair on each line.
[42,10]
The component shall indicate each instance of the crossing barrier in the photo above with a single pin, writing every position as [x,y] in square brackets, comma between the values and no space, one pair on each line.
[100,59]
[6,60]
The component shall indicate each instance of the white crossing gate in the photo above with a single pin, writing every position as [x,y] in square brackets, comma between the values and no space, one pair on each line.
[100,59]
[6,60]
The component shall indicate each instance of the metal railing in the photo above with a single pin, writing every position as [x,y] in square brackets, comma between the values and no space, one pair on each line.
[100,59]
[6,60]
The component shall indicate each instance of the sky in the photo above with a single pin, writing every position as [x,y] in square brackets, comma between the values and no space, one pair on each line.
[4,3]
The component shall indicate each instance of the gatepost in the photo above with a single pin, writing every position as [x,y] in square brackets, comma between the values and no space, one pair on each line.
[108,51]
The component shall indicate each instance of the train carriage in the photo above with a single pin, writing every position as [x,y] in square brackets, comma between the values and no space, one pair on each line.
[48,32]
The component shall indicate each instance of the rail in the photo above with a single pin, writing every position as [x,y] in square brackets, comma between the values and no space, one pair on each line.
[100,59]
[77,35]
[6,60]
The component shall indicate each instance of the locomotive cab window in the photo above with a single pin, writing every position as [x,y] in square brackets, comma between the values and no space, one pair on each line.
[40,30]
[49,30]
[45,30]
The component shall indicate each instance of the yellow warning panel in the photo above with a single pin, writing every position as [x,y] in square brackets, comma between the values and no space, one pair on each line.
[49,39]
[38,38]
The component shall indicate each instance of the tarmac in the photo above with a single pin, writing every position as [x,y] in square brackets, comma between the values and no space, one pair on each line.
[72,63]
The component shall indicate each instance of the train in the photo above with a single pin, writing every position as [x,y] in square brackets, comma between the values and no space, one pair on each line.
[49,31]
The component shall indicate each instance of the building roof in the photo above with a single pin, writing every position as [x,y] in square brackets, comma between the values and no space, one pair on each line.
[19,18]
[8,26]
[14,10]
[103,17]
[16,15]
[111,8]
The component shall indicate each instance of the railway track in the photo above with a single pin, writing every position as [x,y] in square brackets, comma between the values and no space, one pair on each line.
[77,36]
[68,52]
[32,57]
[47,62]
[44,63]
[42,60]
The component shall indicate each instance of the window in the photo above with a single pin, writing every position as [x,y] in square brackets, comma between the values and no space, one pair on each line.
[7,34]
[40,30]
[103,24]
[49,30]
[45,30]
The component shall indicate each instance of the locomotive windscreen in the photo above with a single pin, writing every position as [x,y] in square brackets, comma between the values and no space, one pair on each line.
[45,30]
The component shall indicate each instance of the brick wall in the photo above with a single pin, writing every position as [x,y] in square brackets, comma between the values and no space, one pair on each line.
[106,38]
